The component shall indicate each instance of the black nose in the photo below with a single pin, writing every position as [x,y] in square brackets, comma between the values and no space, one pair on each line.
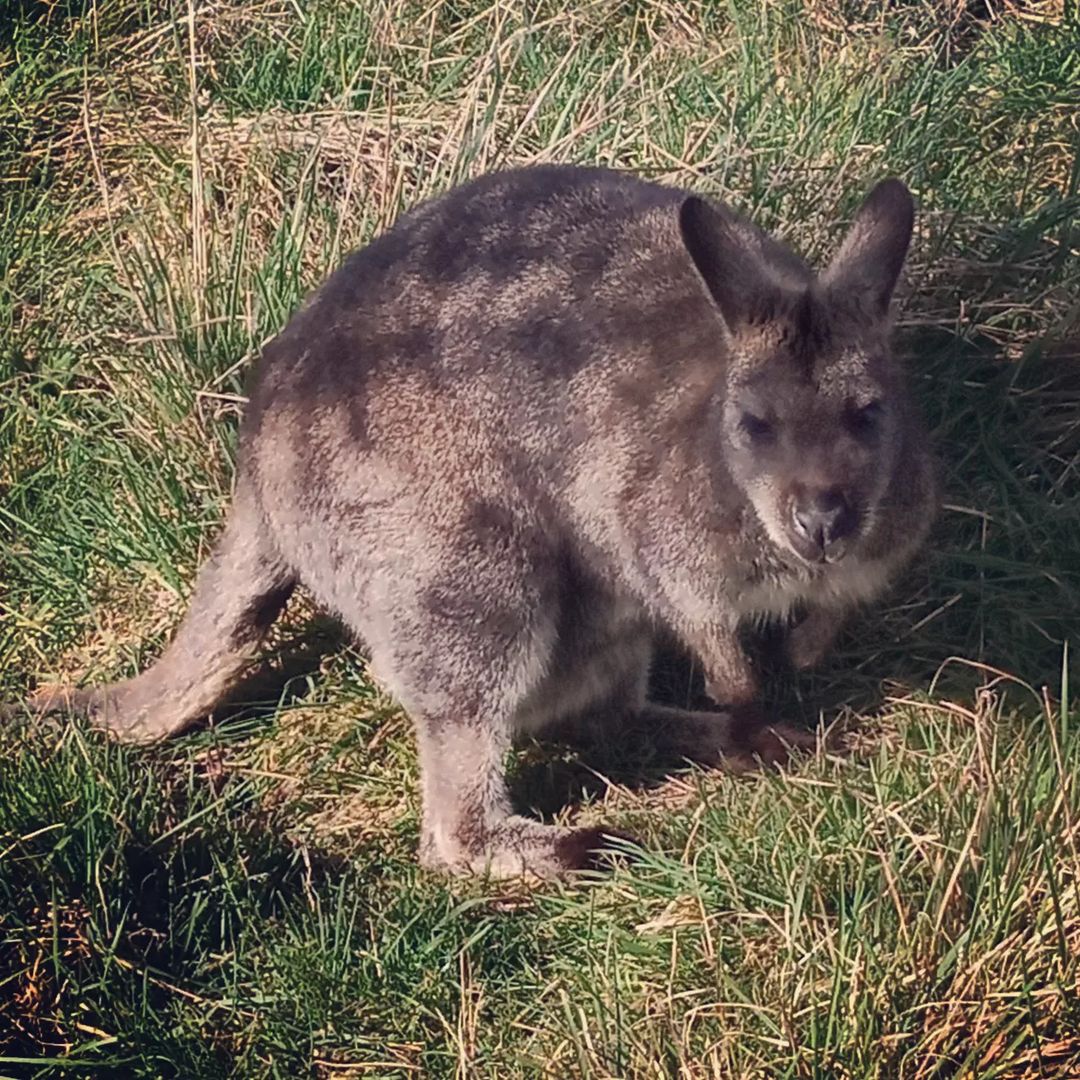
[823,517]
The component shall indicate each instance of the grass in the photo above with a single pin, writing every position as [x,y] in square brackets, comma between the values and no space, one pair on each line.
[245,901]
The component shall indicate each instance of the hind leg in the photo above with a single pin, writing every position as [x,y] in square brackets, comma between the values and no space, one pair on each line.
[468,825]
[464,727]
[239,592]
[460,642]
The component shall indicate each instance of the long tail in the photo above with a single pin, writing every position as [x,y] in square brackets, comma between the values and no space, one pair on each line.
[240,590]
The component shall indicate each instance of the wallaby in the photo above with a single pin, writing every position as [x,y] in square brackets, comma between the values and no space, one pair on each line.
[540,417]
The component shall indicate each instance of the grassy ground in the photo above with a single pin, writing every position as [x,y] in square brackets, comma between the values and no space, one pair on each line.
[245,901]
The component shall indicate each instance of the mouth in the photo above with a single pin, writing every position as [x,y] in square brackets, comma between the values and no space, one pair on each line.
[823,527]
[818,554]
[818,548]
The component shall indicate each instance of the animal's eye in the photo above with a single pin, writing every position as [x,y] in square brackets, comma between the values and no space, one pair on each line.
[756,427]
[864,419]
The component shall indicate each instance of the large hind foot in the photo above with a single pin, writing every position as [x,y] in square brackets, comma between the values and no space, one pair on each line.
[518,846]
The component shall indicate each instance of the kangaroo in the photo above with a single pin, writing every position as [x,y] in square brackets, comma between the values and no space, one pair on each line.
[543,415]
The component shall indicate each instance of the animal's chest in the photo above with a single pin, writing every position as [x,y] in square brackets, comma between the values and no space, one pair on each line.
[775,592]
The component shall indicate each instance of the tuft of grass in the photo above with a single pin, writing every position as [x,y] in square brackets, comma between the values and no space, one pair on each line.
[246,900]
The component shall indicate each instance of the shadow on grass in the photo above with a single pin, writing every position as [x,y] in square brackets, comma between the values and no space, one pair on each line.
[169,848]
[284,677]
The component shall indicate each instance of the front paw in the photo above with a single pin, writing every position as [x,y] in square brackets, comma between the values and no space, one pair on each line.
[756,737]
[774,744]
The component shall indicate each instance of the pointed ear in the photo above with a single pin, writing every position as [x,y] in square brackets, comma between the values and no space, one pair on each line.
[863,273]
[727,256]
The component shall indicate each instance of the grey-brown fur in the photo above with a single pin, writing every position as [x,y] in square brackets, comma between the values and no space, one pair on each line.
[543,414]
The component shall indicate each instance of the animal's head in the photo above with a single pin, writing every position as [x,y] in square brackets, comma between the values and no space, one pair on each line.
[814,405]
